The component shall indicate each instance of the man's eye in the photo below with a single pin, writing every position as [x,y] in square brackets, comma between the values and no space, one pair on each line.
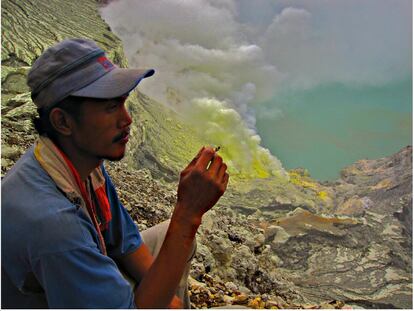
[112,107]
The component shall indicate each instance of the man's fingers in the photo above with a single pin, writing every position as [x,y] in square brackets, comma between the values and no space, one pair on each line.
[225,180]
[222,171]
[216,169]
[206,156]
[199,152]
[193,161]
[215,166]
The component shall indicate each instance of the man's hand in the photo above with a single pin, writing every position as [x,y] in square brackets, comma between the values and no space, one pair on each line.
[201,185]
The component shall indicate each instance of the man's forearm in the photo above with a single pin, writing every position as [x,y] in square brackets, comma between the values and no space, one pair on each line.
[202,183]
[137,263]
[160,282]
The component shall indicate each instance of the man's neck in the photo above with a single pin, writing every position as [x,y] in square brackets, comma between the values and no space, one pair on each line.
[83,163]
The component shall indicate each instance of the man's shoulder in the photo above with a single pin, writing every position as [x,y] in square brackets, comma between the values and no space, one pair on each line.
[27,182]
[40,211]
[31,197]
[26,168]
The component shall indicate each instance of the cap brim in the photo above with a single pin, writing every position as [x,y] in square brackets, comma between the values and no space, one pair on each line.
[115,83]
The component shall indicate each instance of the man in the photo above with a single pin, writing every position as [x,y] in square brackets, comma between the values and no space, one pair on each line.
[63,228]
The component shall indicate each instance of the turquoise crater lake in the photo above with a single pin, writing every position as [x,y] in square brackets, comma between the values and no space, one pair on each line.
[329,127]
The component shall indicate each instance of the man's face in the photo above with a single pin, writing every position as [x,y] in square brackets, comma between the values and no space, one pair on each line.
[102,130]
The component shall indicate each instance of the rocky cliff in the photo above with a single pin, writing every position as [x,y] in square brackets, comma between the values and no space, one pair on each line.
[270,242]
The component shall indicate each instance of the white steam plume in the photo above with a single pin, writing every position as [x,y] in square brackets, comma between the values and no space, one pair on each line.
[239,53]
[205,69]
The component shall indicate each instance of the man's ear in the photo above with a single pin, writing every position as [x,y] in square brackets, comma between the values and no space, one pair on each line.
[61,121]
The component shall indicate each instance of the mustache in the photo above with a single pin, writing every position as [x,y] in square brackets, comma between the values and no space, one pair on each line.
[121,135]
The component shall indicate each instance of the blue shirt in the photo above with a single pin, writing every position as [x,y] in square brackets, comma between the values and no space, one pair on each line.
[49,247]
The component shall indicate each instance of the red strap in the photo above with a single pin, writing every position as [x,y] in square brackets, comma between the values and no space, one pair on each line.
[85,196]
[104,206]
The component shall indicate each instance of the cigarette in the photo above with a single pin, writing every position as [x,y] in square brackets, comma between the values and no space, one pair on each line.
[217,148]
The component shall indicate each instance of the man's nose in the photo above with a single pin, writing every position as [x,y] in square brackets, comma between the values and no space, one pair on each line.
[126,119]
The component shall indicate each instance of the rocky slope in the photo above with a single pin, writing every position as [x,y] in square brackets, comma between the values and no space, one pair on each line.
[356,254]
[269,243]
[358,251]
[27,29]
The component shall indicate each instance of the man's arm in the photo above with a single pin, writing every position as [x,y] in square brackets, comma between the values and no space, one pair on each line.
[138,263]
[202,183]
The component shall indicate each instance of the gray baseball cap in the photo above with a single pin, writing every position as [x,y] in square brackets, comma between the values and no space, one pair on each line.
[78,67]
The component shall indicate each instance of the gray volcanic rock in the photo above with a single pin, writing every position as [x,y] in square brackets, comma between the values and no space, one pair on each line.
[358,250]
[380,193]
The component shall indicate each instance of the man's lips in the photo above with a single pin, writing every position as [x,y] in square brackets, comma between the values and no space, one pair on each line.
[123,137]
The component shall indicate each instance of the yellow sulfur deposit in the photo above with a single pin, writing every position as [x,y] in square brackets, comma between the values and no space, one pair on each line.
[323,195]
[256,303]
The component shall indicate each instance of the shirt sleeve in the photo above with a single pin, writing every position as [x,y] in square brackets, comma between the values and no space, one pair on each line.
[122,236]
[82,278]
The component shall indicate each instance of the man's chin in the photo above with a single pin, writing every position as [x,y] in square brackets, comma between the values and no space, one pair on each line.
[117,154]
[113,158]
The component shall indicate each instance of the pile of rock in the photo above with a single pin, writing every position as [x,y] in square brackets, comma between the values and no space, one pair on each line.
[147,200]
[151,201]
[212,293]
[301,259]
[233,265]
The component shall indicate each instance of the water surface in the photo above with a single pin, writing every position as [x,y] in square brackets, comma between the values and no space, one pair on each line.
[329,127]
